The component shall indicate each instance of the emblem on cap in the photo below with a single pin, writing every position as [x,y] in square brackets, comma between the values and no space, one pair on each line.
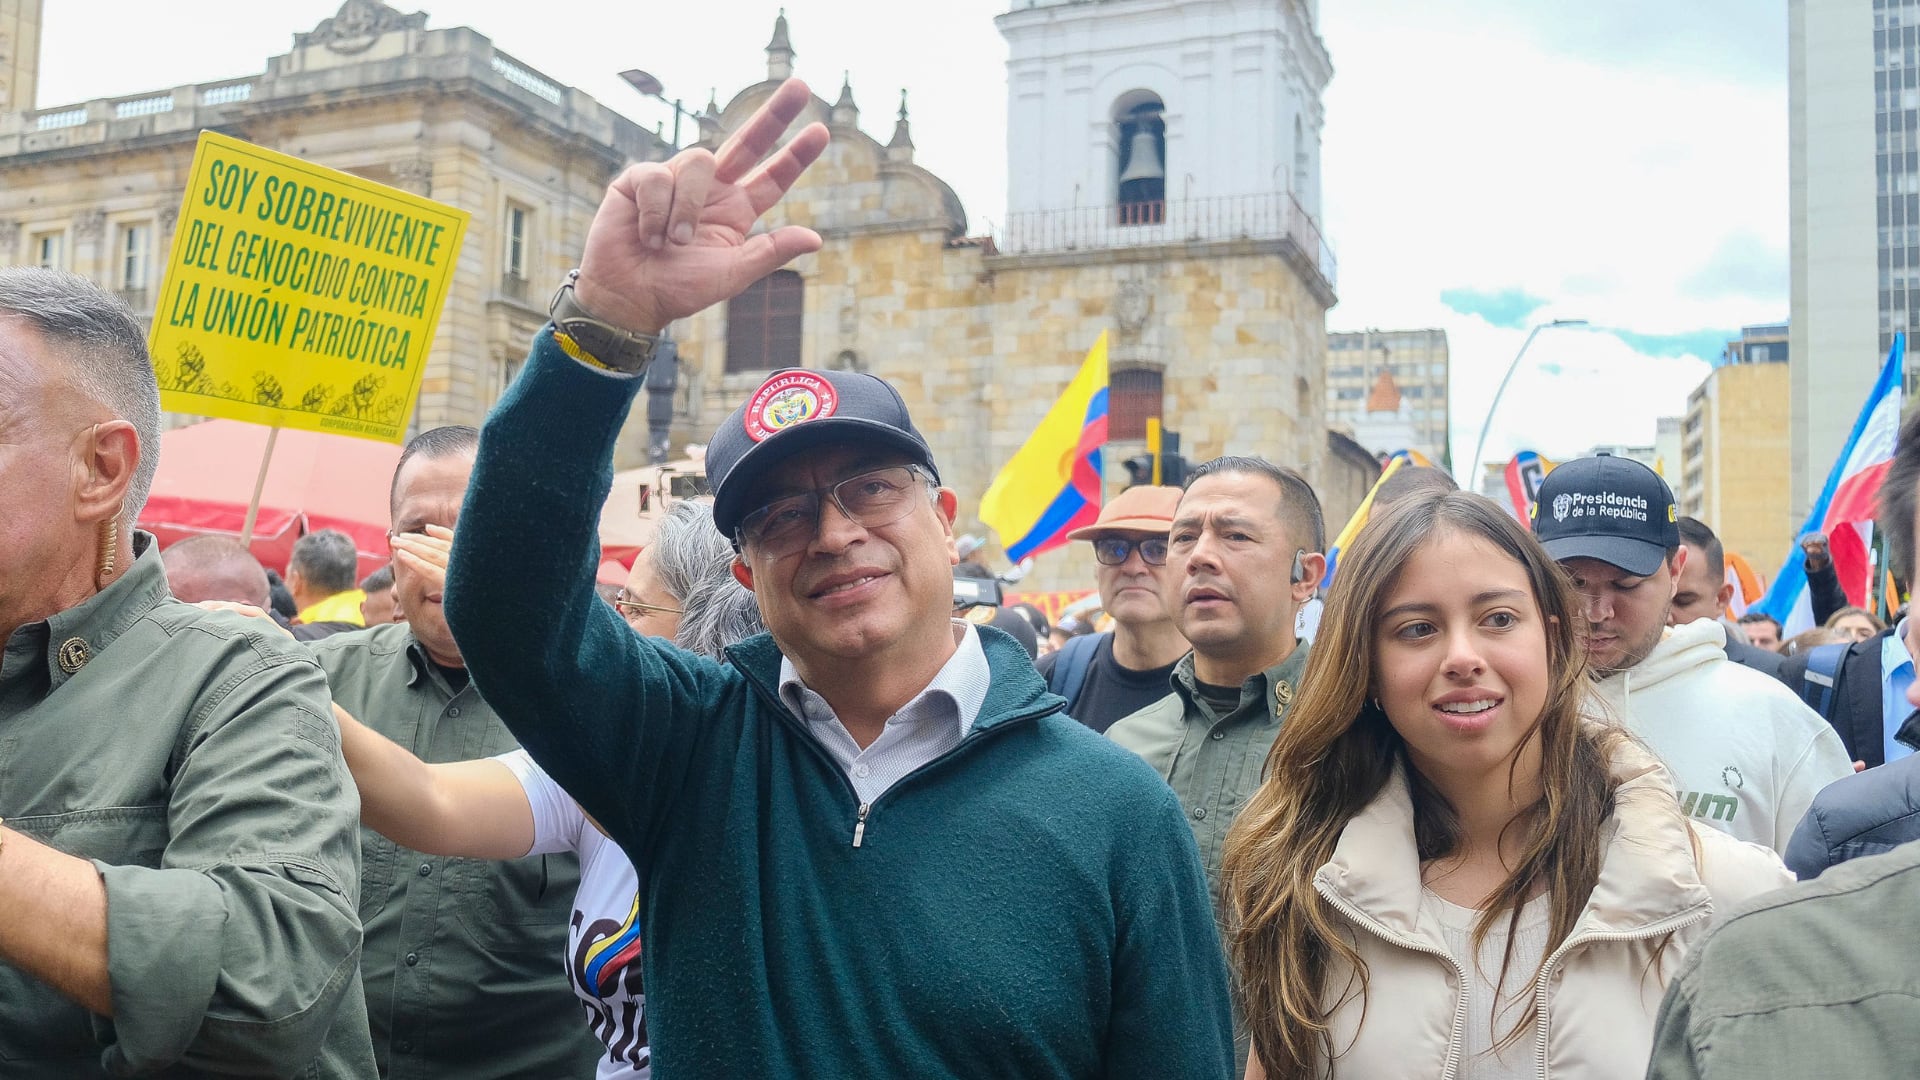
[1561,504]
[786,399]
[73,655]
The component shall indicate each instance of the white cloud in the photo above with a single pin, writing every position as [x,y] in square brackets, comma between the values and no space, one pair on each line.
[1470,156]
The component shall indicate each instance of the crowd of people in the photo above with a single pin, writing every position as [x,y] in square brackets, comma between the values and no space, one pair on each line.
[1518,808]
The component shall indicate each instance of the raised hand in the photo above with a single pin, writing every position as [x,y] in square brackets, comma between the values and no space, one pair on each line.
[1815,546]
[670,240]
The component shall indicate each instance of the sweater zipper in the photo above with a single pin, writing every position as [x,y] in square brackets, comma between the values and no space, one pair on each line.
[860,822]
[1456,1035]
[1667,926]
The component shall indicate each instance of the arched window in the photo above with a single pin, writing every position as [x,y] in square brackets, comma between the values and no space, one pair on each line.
[1133,396]
[1140,137]
[763,324]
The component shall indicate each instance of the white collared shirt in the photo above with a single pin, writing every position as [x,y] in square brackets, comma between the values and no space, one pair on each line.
[931,724]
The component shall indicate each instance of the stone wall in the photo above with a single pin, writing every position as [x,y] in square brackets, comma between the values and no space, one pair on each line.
[981,344]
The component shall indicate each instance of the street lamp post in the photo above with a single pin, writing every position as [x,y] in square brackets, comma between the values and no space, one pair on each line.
[1473,463]
[652,87]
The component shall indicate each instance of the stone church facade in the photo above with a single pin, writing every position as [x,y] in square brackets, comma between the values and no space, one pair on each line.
[1214,307]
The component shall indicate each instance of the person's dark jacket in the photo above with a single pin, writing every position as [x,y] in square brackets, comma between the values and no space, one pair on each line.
[1824,593]
[1868,813]
[1764,661]
[1855,710]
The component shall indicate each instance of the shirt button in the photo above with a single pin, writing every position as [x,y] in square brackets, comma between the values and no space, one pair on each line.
[1219,734]
[453,710]
[426,870]
[413,958]
[404,1046]
[861,770]
[1200,813]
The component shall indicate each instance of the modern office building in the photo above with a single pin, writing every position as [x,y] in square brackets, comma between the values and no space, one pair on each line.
[1733,453]
[1853,111]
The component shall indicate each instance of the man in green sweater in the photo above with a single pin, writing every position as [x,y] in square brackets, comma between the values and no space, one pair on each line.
[872,845]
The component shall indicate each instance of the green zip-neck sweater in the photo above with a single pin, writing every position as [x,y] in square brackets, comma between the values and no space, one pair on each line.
[1030,904]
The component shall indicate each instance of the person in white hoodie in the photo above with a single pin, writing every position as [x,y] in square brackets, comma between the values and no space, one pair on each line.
[1450,870]
[1747,755]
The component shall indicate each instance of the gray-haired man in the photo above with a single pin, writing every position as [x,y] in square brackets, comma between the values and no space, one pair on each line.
[179,861]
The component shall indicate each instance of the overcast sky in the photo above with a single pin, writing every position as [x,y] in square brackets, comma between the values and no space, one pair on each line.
[1488,165]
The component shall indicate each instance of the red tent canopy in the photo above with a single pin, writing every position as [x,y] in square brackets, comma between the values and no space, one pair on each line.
[206,477]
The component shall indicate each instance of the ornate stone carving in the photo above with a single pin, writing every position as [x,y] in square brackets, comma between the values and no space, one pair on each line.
[357,25]
[1132,303]
[168,217]
[90,225]
[414,174]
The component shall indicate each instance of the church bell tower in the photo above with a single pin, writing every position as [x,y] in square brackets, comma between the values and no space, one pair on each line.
[1127,108]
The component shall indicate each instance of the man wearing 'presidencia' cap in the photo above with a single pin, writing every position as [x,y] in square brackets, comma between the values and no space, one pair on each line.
[1746,755]
[873,834]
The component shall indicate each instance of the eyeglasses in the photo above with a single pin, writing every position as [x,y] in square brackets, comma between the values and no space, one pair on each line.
[869,500]
[634,609]
[1113,550]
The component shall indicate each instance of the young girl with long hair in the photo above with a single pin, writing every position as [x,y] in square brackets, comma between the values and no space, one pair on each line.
[1452,869]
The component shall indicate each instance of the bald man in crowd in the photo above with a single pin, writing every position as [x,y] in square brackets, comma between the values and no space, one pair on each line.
[215,568]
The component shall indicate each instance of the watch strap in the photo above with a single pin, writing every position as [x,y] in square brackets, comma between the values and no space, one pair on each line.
[593,340]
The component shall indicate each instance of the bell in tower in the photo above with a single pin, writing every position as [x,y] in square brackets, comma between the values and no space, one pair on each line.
[1143,170]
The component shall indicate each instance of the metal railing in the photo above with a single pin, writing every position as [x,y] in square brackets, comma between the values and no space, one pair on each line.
[1273,216]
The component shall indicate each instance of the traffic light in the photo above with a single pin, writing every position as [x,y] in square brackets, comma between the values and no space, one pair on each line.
[1173,467]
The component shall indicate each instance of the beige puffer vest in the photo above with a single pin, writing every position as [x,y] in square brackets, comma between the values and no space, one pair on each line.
[1600,989]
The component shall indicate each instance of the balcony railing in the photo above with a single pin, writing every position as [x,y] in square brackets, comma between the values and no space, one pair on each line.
[528,79]
[1273,216]
[146,106]
[62,118]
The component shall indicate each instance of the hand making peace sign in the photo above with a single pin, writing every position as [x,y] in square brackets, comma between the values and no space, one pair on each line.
[671,239]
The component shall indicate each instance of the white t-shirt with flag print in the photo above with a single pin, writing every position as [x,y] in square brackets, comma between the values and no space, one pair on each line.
[603,934]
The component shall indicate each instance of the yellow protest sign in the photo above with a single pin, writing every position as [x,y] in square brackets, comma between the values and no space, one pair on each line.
[299,296]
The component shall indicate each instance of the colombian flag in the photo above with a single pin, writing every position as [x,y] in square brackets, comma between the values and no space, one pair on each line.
[1400,460]
[1052,486]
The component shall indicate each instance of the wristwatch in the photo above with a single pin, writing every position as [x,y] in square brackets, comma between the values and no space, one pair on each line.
[592,340]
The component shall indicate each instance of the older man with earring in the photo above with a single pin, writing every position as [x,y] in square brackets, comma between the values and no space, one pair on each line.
[179,859]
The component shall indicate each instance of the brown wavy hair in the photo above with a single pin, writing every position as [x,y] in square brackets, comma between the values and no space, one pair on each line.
[1337,751]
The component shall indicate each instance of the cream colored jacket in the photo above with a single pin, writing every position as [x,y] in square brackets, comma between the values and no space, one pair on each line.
[1600,989]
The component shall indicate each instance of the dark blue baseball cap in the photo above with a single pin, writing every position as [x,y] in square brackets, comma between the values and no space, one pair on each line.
[797,409]
[1609,508]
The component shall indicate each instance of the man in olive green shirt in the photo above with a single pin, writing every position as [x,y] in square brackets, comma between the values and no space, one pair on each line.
[178,864]
[1243,556]
[463,961]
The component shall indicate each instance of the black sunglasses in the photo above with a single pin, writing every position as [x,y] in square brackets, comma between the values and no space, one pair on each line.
[1113,550]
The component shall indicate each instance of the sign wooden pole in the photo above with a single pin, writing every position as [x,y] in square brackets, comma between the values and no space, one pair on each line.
[259,485]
